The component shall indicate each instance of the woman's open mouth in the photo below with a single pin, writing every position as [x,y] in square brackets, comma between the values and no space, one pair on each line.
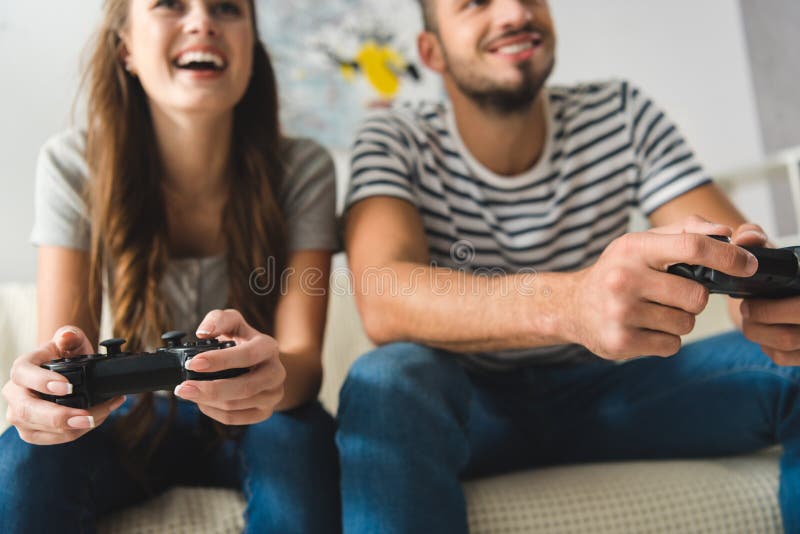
[206,61]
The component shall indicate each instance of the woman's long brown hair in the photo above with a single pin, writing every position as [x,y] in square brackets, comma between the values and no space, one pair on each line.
[129,242]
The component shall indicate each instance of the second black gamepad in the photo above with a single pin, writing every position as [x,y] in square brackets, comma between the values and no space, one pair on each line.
[98,377]
[778,274]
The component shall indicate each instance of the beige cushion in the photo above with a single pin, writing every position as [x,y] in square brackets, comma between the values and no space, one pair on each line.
[734,495]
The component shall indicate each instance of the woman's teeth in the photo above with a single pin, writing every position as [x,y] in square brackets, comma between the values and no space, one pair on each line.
[209,58]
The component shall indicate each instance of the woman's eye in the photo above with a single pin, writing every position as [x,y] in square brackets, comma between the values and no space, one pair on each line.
[228,8]
[168,4]
[475,3]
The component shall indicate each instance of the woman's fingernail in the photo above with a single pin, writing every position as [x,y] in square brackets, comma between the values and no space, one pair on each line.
[70,330]
[202,332]
[57,387]
[197,364]
[186,392]
[81,421]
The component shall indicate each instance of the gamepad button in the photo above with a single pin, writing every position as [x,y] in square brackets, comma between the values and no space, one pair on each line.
[173,338]
[113,346]
[228,344]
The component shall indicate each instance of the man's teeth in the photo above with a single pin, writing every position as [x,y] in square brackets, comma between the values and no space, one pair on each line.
[200,57]
[515,48]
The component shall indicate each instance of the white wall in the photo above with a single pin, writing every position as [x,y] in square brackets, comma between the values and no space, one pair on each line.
[40,47]
[689,55]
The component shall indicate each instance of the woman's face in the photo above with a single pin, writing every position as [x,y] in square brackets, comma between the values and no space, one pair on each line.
[190,55]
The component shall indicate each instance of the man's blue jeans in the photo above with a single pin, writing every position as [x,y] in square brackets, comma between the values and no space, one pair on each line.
[413,422]
[286,466]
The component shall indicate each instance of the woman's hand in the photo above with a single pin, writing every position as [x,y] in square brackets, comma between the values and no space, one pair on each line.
[43,422]
[246,399]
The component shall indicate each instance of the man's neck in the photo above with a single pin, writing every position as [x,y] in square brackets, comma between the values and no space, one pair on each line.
[505,144]
[194,151]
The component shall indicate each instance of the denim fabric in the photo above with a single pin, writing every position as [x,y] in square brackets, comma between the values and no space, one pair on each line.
[286,466]
[414,422]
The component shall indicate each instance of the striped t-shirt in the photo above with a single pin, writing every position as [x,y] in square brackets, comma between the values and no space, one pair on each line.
[609,150]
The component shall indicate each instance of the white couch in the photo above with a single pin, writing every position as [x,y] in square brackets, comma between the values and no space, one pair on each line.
[706,495]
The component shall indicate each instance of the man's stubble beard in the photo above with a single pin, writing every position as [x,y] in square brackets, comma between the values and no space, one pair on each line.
[494,98]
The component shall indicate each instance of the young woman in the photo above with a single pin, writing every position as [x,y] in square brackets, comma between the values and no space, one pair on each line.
[183,204]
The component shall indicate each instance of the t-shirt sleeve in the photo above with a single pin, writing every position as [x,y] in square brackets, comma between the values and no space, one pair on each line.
[666,163]
[309,200]
[380,163]
[61,215]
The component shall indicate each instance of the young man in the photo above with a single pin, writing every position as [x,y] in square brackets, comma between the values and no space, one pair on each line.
[480,372]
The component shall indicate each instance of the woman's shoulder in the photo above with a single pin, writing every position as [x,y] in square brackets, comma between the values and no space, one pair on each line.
[63,158]
[307,165]
[302,153]
[61,213]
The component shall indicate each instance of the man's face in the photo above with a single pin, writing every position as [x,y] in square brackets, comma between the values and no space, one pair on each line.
[499,53]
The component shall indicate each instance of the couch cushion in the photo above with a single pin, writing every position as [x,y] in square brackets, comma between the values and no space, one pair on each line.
[733,495]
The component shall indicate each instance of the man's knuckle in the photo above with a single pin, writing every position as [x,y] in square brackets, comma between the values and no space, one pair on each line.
[691,245]
[618,342]
[616,279]
[696,298]
[685,323]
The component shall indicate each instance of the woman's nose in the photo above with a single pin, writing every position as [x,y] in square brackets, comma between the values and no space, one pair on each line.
[199,20]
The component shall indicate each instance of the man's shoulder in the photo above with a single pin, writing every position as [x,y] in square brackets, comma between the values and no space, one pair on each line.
[591,94]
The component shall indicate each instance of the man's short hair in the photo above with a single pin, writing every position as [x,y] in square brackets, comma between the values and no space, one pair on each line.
[428,14]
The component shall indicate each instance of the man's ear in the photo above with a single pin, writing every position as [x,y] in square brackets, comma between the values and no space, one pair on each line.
[430,51]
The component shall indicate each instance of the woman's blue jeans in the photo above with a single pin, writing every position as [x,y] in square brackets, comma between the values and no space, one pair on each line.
[286,466]
[414,422]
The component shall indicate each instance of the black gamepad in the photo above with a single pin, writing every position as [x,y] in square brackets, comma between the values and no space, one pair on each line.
[778,274]
[98,377]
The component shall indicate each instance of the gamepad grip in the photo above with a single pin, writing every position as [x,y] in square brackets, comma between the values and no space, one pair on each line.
[98,377]
[778,274]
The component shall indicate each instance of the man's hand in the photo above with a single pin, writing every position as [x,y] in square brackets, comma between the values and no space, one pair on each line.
[246,399]
[772,323]
[43,422]
[626,305]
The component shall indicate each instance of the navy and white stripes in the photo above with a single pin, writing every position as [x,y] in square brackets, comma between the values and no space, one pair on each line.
[609,150]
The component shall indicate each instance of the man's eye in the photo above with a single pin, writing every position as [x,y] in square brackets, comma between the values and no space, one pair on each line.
[227,8]
[477,3]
